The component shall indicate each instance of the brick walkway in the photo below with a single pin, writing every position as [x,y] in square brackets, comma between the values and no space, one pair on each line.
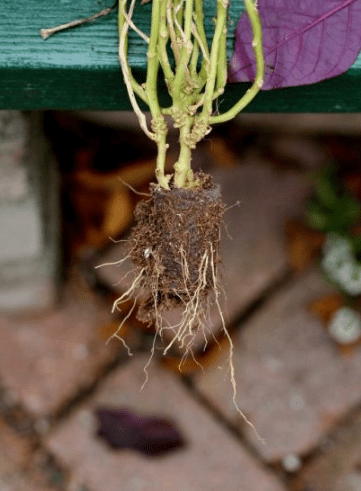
[302,396]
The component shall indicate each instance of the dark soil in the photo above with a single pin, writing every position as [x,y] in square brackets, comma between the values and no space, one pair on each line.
[176,243]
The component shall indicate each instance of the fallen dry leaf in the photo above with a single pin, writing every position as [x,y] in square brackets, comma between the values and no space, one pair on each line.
[150,435]
[325,307]
[303,244]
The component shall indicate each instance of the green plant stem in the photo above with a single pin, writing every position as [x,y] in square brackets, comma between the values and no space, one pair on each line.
[214,60]
[159,124]
[200,77]
[153,61]
[162,46]
[222,63]
[194,60]
[252,11]
[199,21]
[160,163]
[172,32]
[182,169]
[185,53]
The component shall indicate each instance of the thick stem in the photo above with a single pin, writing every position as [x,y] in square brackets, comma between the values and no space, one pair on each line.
[160,164]
[222,63]
[159,124]
[182,169]
[153,61]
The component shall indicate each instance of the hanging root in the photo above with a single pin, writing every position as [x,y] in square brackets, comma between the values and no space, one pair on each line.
[230,361]
[195,308]
[132,293]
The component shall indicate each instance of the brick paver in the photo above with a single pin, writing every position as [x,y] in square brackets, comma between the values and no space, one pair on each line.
[15,456]
[212,459]
[12,478]
[338,468]
[292,382]
[255,256]
[46,360]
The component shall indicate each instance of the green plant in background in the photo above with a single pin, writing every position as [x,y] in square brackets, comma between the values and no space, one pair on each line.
[332,208]
[341,267]
[196,80]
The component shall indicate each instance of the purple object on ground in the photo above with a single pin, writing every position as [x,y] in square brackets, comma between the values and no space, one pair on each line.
[152,436]
[305,41]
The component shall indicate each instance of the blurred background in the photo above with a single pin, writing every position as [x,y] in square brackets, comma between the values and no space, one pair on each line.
[72,416]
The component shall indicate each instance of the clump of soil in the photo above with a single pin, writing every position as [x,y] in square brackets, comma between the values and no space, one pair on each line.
[175,247]
[176,244]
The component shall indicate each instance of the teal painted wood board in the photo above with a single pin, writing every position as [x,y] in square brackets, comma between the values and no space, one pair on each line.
[79,69]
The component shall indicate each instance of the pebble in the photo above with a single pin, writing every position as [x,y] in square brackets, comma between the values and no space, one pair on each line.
[291,463]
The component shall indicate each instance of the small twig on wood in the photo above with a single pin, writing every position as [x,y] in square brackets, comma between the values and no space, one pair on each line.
[45,33]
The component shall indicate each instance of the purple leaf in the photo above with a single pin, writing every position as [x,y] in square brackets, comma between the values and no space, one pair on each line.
[121,428]
[305,41]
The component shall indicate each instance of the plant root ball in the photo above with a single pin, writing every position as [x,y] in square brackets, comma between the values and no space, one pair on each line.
[175,247]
